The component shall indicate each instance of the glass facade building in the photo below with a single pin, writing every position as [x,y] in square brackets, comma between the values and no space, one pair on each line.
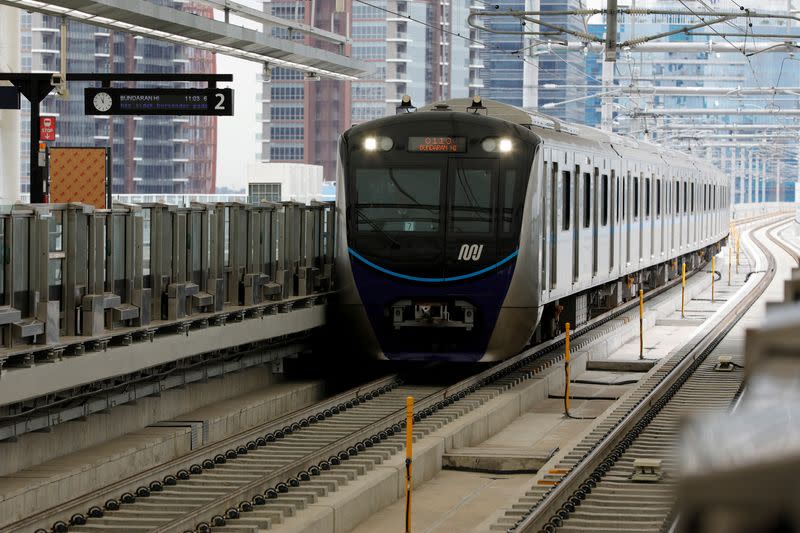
[149,154]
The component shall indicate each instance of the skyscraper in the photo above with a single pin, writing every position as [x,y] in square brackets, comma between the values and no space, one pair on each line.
[150,154]
[411,47]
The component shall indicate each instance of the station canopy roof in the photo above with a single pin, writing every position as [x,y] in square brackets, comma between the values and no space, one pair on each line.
[165,23]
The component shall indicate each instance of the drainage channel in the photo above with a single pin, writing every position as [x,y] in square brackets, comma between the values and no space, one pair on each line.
[592,489]
[270,477]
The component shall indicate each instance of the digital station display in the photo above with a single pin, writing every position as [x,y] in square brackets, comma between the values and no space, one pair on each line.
[146,101]
[437,144]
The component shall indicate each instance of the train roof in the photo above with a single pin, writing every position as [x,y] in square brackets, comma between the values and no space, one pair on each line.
[551,127]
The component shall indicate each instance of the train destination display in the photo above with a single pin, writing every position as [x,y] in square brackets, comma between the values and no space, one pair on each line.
[124,101]
[437,144]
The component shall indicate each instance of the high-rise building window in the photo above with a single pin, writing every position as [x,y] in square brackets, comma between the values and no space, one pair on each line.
[286,153]
[286,133]
[287,92]
[280,73]
[369,51]
[286,112]
[292,12]
[369,31]
[369,91]
[363,112]
[364,12]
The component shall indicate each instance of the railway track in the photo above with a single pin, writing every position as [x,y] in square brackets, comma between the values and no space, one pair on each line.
[252,480]
[591,489]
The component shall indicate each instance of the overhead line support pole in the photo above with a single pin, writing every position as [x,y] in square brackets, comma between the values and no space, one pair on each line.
[611,31]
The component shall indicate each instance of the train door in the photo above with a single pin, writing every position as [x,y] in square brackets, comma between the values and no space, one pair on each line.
[626,210]
[576,227]
[676,215]
[604,222]
[554,224]
[594,200]
[637,218]
[692,215]
[660,215]
[651,213]
[471,229]
[647,222]
[545,226]
[613,219]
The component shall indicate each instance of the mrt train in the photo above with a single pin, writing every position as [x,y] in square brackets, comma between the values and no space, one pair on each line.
[471,228]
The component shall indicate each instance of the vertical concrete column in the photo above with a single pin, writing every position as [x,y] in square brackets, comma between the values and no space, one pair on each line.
[9,118]
[742,159]
[732,176]
[746,169]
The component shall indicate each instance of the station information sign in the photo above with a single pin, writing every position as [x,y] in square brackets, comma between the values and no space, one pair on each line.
[125,101]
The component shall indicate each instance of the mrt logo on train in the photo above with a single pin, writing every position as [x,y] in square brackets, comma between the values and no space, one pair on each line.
[470,252]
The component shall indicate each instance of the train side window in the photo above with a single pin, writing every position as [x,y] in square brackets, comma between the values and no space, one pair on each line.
[635,198]
[714,199]
[677,197]
[616,217]
[587,199]
[624,193]
[647,197]
[685,196]
[658,198]
[604,206]
[692,197]
[566,187]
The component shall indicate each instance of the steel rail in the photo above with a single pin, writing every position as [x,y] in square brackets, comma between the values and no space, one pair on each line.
[546,512]
[197,456]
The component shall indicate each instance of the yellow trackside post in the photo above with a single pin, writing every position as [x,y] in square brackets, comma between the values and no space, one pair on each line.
[683,290]
[737,252]
[713,272]
[566,369]
[730,260]
[409,455]
[641,324]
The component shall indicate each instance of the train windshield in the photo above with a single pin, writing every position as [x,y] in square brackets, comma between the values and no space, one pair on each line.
[409,200]
[398,199]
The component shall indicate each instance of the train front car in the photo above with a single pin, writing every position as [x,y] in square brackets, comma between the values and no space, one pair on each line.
[432,211]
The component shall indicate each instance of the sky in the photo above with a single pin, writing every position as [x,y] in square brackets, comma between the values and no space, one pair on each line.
[236,136]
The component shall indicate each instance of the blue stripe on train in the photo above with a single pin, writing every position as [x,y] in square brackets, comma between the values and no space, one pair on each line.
[366,261]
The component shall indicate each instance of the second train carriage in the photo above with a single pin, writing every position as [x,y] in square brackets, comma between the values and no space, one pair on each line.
[470,227]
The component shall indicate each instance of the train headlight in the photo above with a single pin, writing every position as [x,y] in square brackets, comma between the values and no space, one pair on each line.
[383,144]
[493,144]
